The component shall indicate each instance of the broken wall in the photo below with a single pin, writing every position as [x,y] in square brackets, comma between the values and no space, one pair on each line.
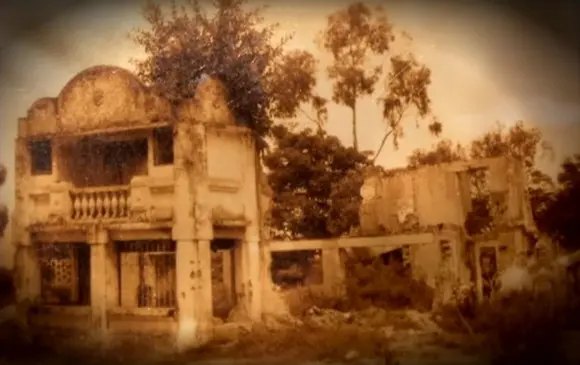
[407,200]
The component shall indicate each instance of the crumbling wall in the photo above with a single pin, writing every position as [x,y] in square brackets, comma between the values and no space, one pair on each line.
[408,200]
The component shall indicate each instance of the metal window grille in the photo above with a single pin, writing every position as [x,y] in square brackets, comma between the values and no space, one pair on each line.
[147,274]
[65,273]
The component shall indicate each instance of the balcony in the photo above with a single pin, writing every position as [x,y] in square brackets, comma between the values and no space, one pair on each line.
[144,199]
[105,203]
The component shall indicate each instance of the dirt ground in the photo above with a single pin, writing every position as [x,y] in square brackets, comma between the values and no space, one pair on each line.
[373,336]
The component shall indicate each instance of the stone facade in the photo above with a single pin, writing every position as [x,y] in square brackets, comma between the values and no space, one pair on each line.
[121,199]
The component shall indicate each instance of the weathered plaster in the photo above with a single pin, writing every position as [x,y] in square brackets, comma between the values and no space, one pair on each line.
[209,184]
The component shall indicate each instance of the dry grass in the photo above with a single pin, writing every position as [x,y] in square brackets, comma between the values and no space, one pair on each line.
[516,330]
[303,342]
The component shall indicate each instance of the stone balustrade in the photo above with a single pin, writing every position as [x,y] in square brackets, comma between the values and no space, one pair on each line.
[111,202]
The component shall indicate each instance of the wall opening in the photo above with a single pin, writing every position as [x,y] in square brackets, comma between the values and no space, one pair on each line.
[223,276]
[163,146]
[291,269]
[147,275]
[489,268]
[65,270]
[479,218]
[396,260]
[94,161]
[41,157]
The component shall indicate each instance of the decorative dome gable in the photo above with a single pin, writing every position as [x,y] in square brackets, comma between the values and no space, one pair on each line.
[104,97]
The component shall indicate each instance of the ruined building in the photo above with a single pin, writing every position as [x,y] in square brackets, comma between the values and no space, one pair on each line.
[477,212]
[133,215]
[430,219]
[122,200]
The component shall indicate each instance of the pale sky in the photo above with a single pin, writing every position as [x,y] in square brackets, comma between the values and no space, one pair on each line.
[487,66]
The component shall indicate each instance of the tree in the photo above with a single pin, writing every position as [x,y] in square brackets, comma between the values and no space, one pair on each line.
[526,144]
[352,36]
[315,182]
[263,80]
[443,152]
[561,219]
[3,209]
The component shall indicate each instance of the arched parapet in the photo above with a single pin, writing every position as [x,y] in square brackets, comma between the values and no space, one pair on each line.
[101,98]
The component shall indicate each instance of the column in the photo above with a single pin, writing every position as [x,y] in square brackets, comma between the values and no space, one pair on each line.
[98,238]
[186,286]
[227,274]
[240,273]
[204,297]
[332,270]
[253,279]
[27,278]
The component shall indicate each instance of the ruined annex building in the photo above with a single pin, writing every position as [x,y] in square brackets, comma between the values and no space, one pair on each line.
[136,216]
[121,199]
[462,245]
[429,219]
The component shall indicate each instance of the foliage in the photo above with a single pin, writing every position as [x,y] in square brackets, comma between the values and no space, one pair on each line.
[263,80]
[443,152]
[352,36]
[561,218]
[516,329]
[372,283]
[315,182]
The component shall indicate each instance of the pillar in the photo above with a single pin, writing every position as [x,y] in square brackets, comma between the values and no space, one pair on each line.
[332,270]
[253,279]
[204,299]
[194,292]
[186,286]
[98,238]
[227,274]
[27,280]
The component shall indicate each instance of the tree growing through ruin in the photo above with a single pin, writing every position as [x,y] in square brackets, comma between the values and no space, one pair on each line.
[353,36]
[521,141]
[267,82]
[264,80]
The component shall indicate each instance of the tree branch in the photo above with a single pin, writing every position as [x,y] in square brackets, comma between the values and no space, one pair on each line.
[395,124]
[311,119]
[383,144]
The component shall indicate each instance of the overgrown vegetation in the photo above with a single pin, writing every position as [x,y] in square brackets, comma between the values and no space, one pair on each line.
[516,330]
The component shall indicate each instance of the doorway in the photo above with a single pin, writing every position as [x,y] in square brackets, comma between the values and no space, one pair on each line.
[486,270]
[223,276]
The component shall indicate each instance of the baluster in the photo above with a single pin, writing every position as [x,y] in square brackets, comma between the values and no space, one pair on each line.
[76,206]
[122,203]
[106,205]
[114,204]
[99,204]
[84,206]
[91,205]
